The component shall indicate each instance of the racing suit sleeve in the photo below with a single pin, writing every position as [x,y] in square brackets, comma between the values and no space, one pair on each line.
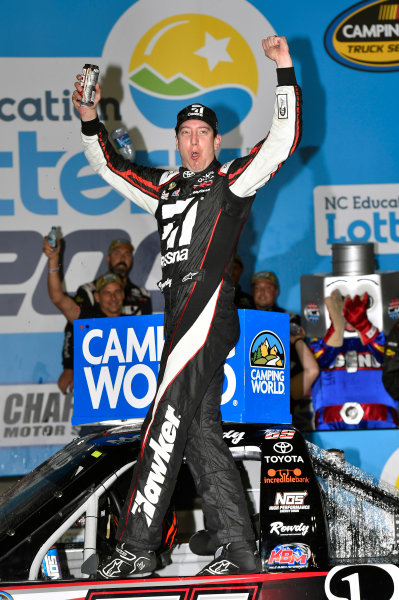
[326,355]
[376,347]
[136,183]
[248,174]
[323,353]
[390,367]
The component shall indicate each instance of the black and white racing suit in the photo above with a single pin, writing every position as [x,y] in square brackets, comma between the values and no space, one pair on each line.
[200,217]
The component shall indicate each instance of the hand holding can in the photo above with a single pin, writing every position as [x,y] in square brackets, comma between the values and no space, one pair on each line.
[89,79]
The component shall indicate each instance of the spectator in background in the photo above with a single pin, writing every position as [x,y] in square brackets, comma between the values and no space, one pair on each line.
[137,301]
[304,370]
[241,298]
[108,295]
[265,289]
[349,393]
[390,366]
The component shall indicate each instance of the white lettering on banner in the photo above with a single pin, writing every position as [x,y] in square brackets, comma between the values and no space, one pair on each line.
[163,449]
[148,344]
[128,385]
[117,380]
[267,374]
[93,360]
[357,213]
[35,415]
[375,30]
[113,389]
[104,379]
[113,348]
[231,384]
[151,344]
[267,381]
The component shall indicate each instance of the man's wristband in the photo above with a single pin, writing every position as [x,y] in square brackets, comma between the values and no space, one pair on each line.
[286,76]
[299,340]
[91,127]
[55,270]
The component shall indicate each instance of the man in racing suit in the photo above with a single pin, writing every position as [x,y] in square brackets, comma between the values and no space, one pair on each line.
[200,209]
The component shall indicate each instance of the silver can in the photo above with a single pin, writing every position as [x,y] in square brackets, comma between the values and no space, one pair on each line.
[89,79]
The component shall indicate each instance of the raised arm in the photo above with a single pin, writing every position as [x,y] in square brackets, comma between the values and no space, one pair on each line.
[64,303]
[136,183]
[250,173]
[276,48]
[301,382]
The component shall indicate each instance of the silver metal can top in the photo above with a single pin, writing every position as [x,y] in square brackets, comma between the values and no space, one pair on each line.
[356,258]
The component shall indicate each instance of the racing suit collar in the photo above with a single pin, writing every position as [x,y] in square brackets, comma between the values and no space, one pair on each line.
[187,174]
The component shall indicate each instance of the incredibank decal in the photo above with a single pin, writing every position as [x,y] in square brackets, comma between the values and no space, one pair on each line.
[357,213]
[366,36]
[157,58]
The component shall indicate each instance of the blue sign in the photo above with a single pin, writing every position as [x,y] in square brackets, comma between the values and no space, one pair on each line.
[116,362]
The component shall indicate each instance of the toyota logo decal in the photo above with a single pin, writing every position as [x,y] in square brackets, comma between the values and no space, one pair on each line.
[282,447]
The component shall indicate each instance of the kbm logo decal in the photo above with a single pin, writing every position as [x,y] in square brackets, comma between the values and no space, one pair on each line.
[289,555]
[366,37]
[192,58]
[5,596]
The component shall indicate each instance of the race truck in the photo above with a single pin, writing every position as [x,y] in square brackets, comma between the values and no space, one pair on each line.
[325,529]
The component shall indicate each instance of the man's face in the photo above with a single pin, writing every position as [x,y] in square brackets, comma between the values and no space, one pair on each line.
[110,298]
[196,144]
[264,294]
[120,260]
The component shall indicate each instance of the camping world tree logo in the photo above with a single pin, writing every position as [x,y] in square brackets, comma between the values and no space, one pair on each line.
[171,55]
[267,350]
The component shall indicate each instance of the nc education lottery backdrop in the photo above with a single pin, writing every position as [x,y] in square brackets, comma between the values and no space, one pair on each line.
[155,57]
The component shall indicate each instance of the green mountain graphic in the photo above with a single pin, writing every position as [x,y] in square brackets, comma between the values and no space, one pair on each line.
[149,81]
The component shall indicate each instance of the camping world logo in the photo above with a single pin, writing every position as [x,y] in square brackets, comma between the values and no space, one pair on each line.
[172,54]
[267,350]
[366,36]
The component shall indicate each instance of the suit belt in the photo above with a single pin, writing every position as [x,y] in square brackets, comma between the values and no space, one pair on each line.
[350,411]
